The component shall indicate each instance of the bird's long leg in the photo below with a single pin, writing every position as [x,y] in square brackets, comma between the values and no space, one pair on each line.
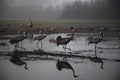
[41,44]
[95,50]
[69,49]
[16,45]
[37,44]
[75,39]
[64,47]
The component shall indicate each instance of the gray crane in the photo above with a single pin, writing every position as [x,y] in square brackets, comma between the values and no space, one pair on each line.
[15,40]
[40,38]
[93,40]
[30,25]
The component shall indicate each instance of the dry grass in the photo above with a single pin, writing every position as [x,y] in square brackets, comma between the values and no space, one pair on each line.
[59,25]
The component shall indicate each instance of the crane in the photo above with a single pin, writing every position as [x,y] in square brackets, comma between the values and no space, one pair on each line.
[95,41]
[15,40]
[30,25]
[40,37]
[64,41]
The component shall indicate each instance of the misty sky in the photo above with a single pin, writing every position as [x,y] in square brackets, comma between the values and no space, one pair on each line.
[44,9]
[32,8]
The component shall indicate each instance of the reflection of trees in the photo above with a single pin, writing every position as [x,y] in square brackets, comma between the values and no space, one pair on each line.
[98,9]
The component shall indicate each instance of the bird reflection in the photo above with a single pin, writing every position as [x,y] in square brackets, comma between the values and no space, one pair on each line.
[97,60]
[15,59]
[65,65]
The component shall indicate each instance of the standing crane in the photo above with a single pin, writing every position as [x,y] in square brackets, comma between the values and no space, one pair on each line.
[30,31]
[65,65]
[64,41]
[40,38]
[17,39]
[30,25]
[95,41]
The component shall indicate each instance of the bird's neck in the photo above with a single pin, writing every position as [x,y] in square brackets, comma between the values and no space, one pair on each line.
[72,35]
[46,35]
[101,36]
[25,35]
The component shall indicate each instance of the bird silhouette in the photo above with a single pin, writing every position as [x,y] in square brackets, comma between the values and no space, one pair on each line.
[17,39]
[93,40]
[30,25]
[15,59]
[40,38]
[64,41]
[97,60]
[65,65]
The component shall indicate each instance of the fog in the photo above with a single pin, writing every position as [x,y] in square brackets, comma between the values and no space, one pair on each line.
[60,9]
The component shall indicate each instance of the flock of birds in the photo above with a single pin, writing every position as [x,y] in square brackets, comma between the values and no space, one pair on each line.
[59,40]
[15,58]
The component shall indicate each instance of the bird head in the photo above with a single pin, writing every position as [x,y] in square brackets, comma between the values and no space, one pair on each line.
[19,32]
[100,33]
[25,34]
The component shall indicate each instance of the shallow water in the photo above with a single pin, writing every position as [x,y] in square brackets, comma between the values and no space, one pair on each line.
[43,66]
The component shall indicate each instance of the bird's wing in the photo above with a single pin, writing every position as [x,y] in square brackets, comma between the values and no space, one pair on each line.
[95,39]
[39,37]
[64,40]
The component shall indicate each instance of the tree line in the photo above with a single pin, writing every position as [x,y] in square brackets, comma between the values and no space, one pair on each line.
[97,9]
